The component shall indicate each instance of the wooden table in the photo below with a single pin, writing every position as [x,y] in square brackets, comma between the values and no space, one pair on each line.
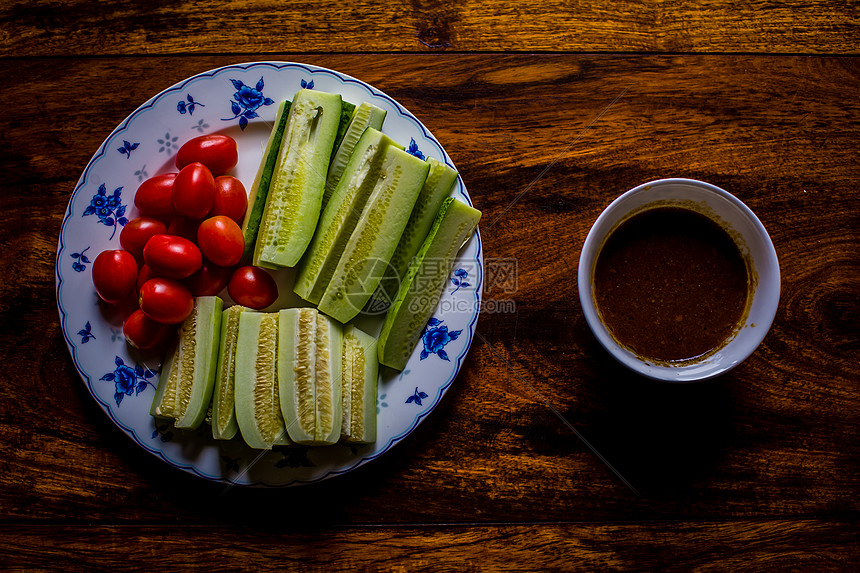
[549,112]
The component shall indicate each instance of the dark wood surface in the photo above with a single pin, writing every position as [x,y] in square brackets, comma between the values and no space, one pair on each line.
[757,470]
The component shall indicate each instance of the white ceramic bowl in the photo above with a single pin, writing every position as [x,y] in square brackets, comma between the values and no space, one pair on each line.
[753,241]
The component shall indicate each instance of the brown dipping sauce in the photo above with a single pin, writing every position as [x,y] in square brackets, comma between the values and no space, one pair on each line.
[670,284]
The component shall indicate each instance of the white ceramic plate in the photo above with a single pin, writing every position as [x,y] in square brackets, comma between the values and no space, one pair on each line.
[241,101]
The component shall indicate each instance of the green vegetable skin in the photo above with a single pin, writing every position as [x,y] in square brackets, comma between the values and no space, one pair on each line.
[366,116]
[347,113]
[295,194]
[262,180]
[376,235]
[188,375]
[421,290]
[360,379]
[341,215]
[440,181]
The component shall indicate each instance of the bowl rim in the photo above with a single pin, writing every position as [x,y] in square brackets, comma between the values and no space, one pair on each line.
[683,373]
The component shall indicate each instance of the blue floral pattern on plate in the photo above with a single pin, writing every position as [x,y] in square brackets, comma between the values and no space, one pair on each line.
[188,105]
[168,144]
[435,337]
[86,333]
[459,280]
[127,148]
[413,150]
[416,397]
[246,101]
[108,208]
[81,261]
[128,380]
[123,390]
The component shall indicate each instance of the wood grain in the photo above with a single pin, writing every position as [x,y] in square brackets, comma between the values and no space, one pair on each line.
[758,469]
[773,545]
[110,27]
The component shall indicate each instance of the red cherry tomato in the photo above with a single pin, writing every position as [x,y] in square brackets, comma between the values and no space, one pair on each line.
[144,333]
[114,275]
[209,280]
[165,300]
[253,287]
[137,232]
[154,197]
[172,257]
[194,191]
[221,240]
[116,313]
[144,275]
[231,199]
[215,151]
[185,228]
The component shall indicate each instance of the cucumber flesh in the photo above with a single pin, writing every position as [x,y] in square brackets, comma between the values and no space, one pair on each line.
[258,411]
[360,379]
[189,373]
[366,115]
[440,181]
[164,402]
[224,425]
[297,371]
[260,189]
[341,215]
[329,381]
[295,194]
[376,235]
[421,290]
[309,375]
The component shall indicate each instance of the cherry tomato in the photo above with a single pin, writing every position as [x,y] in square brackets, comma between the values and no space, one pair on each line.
[185,228]
[172,257]
[154,197]
[215,151]
[194,191]
[231,199]
[144,333]
[114,275]
[137,232]
[253,287]
[116,313]
[209,280]
[221,240]
[144,275]
[165,300]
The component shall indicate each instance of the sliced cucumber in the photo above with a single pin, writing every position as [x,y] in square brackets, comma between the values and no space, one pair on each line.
[421,290]
[347,112]
[329,380]
[295,194]
[224,425]
[366,115]
[297,348]
[258,410]
[440,181]
[260,189]
[341,215]
[309,375]
[376,235]
[185,388]
[164,402]
[360,378]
